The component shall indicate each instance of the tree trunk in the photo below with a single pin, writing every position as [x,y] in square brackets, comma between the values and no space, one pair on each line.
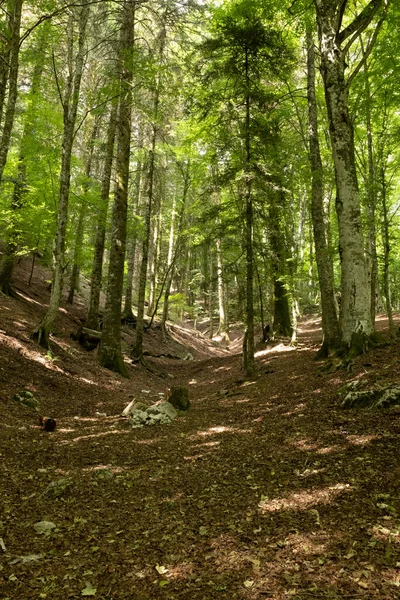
[281,305]
[248,354]
[80,229]
[210,305]
[170,258]
[137,350]
[70,105]
[355,310]
[223,327]
[386,255]
[5,56]
[330,324]
[372,258]
[127,313]
[15,24]
[92,321]
[7,263]
[109,354]
[154,255]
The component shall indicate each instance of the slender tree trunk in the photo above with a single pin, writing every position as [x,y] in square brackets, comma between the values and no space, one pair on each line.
[8,260]
[330,323]
[5,56]
[70,105]
[15,24]
[109,354]
[372,257]
[170,258]
[138,347]
[248,354]
[223,328]
[386,255]
[131,252]
[154,255]
[210,306]
[92,321]
[281,305]
[80,230]
[175,244]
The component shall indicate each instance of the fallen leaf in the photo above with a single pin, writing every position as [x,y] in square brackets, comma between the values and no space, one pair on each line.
[89,590]
[161,569]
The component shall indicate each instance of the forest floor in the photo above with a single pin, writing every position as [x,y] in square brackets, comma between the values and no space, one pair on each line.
[265,488]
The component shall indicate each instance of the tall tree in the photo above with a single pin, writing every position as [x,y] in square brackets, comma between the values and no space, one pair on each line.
[69,100]
[330,324]
[110,354]
[335,43]
[10,76]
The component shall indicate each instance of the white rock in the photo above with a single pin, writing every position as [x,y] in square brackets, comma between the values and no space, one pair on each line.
[44,526]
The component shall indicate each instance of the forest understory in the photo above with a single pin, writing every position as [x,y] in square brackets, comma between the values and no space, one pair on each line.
[265,488]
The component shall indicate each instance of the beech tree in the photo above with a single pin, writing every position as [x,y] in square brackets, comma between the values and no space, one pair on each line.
[335,43]
[78,19]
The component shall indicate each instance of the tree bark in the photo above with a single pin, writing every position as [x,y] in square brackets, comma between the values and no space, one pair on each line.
[223,327]
[131,251]
[248,354]
[137,350]
[80,229]
[92,321]
[110,354]
[372,257]
[355,310]
[386,255]
[8,260]
[13,69]
[70,106]
[330,323]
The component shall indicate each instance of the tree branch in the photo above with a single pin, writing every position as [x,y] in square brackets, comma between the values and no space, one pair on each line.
[367,52]
[340,14]
[57,82]
[359,23]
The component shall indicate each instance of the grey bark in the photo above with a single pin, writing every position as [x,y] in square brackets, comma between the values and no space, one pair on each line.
[355,311]
[5,40]
[70,108]
[248,340]
[386,255]
[137,350]
[110,354]
[174,243]
[372,257]
[330,323]
[80,229]
[92,320]
[131,251]
[15,24]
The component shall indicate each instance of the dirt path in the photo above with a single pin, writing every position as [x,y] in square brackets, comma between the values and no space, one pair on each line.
[264,489]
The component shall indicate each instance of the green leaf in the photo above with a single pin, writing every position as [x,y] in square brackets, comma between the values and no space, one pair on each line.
[203,530]
[161,569]
[89,590]
[163,582]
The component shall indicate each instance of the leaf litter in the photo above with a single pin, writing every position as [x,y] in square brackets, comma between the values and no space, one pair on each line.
[269,490]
